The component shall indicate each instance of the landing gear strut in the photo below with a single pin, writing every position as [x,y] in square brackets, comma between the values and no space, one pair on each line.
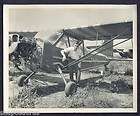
[23,79]
[70,87]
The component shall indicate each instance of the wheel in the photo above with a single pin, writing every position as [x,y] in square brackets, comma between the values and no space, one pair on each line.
[70,88]
[21,80]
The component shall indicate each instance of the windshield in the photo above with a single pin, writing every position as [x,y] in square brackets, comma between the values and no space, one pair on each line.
[66,42]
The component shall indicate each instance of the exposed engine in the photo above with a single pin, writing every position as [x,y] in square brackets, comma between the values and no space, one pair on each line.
[26,51]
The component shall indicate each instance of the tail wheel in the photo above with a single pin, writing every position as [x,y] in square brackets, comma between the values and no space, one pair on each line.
[21,79]
[70,88]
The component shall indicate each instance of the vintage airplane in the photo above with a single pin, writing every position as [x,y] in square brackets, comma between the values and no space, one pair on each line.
[49,59]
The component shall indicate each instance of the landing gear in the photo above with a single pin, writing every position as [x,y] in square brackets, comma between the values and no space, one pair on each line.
[70,87]
[23,79]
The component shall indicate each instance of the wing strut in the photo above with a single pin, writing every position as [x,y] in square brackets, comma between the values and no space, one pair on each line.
[88,55]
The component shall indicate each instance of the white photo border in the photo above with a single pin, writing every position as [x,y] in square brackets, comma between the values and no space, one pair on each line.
[65,110]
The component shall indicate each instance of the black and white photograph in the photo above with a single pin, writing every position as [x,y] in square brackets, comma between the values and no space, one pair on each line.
[70,58]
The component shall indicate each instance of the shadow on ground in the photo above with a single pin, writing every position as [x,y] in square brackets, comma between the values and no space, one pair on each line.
[118,86]
[115,86]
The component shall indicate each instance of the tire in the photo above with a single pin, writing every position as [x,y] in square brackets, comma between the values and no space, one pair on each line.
[21,82]
[70,88]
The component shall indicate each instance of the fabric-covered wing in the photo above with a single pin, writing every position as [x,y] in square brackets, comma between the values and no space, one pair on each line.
[102,32]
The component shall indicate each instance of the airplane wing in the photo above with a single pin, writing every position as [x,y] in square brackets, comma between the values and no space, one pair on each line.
[101,32]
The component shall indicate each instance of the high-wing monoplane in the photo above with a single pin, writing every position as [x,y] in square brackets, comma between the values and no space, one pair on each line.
[49,58]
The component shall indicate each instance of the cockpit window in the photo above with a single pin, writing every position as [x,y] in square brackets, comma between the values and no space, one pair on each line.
[65,42]
[62,43]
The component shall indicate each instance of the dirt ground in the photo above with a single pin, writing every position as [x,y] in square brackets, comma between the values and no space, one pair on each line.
[113,90]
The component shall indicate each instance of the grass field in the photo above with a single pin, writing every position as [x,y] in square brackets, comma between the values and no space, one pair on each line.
[113,90]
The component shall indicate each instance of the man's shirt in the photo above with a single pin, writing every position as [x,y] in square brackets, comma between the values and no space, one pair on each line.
[74,54]
[13,47]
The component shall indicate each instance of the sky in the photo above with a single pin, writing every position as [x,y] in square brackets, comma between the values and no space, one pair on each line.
[53,18]
[48,19]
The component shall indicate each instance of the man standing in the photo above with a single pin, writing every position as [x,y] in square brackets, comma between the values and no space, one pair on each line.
[71,54]
[13,45]
[13,42]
